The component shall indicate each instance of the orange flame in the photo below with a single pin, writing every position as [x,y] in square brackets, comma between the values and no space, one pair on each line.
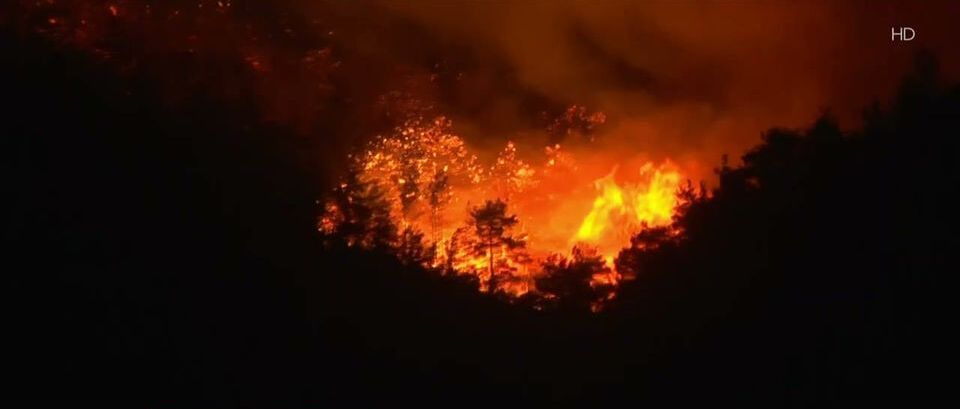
[619,211]
[429,177]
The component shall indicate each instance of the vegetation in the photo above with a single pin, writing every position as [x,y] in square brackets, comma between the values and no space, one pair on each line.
[179,243]
[569,281]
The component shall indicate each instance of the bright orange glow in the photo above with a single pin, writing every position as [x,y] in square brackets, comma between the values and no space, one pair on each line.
[609,202]
[431,179]
[648,202]
[621,210]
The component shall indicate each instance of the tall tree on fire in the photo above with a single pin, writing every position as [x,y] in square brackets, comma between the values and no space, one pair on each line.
[487,242]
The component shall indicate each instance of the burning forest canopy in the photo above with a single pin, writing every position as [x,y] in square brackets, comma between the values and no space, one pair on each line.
[521,137]
[501,219]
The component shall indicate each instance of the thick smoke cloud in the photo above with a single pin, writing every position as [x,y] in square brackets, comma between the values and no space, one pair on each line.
[684,80]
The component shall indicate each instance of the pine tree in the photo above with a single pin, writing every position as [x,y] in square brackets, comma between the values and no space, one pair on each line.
[358,215]
[492,239]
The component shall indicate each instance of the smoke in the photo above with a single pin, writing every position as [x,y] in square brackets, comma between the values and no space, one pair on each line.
[624,86]
[686,81]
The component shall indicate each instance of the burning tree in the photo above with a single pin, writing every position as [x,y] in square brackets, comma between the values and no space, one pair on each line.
[575,120]
[619,211]
[558,160]
[487,247]
[510,175]
[418,165]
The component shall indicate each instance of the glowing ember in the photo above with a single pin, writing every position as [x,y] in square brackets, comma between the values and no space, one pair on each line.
[498,222]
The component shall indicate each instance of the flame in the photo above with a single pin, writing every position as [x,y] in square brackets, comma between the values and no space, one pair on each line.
[430,178]
[606,205]
[620,211]
[649,203]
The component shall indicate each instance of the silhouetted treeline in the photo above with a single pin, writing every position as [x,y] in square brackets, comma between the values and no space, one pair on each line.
[173,260]
[817,266]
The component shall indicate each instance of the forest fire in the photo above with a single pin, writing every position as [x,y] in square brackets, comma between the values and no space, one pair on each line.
[318,203]
[650,202]
[502,221]
[291,203]
[553,193]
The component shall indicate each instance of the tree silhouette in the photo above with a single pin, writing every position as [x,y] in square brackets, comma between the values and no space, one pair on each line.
[570,280]
[824,238]
[412,250]
[357,214]
[493,241]
[575,120]
[631,262]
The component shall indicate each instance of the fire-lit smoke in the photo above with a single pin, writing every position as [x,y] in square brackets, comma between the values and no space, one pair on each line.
[583,117]
[686,81]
